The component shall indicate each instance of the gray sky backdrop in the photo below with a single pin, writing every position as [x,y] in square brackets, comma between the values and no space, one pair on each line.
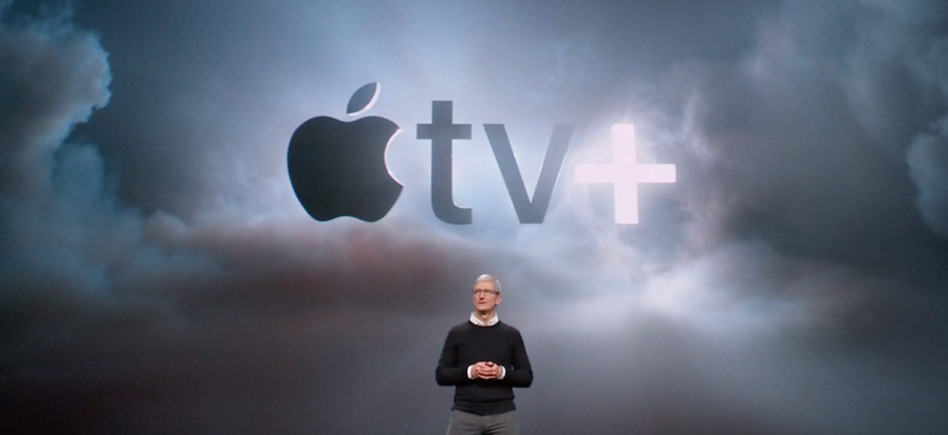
[157,274]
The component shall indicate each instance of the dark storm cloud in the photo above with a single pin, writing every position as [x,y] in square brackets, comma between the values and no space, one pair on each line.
[743,339]
[928,161]
[793,281]
[808,277]
[44,94]
[806,140]
[114,320]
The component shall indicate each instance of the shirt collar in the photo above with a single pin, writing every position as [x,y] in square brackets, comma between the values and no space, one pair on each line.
[477,321]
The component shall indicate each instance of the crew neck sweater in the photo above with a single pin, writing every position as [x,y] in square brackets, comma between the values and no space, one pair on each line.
[467,344]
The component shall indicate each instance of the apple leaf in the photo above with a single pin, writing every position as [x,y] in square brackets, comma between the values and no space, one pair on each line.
[363,99]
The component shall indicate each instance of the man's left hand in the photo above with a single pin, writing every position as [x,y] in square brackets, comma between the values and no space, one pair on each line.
[487,370]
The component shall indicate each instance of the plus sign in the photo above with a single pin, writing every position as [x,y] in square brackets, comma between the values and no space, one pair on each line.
[625,174]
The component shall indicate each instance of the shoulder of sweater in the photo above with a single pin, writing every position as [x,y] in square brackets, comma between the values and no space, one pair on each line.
[507,327]
[462,327]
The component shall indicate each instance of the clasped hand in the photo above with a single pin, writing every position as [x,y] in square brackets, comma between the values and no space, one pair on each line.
[486,370]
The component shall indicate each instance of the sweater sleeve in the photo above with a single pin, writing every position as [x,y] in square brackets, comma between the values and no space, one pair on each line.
[520,374]
[448,373]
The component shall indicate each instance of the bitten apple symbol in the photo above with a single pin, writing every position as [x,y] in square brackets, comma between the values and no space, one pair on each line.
[338,168]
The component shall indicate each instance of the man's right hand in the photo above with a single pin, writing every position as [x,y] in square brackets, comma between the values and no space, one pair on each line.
[486,370]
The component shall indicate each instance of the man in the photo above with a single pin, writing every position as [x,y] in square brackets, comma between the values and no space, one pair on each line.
[484,359]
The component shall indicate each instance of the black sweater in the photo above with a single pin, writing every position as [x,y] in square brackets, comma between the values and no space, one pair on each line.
[467,344]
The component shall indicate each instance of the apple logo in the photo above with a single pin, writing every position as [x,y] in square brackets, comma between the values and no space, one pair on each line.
[338,168]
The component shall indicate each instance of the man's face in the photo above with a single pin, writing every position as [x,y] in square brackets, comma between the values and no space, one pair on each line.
[485,296]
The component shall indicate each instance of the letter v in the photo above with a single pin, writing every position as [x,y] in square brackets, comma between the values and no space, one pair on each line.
[529,212]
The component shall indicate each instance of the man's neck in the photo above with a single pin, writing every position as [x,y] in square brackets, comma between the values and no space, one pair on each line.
[488,318]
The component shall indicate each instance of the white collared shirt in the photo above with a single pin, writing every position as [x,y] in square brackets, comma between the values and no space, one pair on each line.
[477,321]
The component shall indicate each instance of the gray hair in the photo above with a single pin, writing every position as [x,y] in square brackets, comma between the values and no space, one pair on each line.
[492,279]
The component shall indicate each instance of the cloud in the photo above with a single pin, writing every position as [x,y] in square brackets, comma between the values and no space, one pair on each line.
[804,141]
[53,78]
[149,313]
[928,160]
[788,285]
[50,194]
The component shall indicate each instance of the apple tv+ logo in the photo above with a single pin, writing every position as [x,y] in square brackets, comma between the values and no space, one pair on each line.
[338,168]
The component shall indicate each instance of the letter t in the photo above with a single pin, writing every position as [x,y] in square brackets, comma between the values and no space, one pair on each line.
[442,131]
